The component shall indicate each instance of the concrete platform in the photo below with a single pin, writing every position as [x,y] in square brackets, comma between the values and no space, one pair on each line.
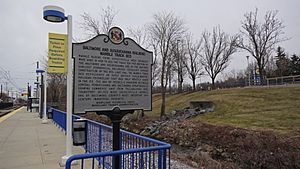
[26,143]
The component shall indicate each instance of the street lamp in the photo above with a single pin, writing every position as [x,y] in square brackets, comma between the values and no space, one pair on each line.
[44,85]
[57,15]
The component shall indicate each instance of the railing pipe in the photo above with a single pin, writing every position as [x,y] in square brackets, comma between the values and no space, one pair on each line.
[113,153]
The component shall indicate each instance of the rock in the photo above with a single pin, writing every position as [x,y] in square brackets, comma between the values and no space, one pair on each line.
[145,133]
[210,109]
[155,133]
[207,148]
[219,150]
[225,155]
[194,164]
[173,113]
[209,106]
[180,165]
[202,111]
[234,133]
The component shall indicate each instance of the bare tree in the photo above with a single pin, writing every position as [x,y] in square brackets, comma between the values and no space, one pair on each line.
[107,18]
[178,54]
[57,88]
[141,38]
[95,26]
[217,49]
[260,38]
[165,29]
[170,69]
[90,25]
[270,68]
[56,84]
[140,35]
[193,62]
[155,64]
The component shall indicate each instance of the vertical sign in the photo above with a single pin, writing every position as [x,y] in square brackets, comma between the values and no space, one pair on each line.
[58,53]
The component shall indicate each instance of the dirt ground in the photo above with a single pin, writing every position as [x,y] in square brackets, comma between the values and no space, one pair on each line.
[207,146]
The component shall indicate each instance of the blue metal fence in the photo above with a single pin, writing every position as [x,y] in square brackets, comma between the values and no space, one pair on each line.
[137,151]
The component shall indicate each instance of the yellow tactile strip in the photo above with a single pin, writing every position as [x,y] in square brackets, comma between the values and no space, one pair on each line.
[10,114]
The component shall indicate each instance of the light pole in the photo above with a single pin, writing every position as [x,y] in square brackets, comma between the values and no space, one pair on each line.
[45,118]
[57,15]
[40,72]
[248,71]
[44,86]
[27,96]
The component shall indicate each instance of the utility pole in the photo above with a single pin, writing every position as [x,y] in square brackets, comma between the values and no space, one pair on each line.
[42,96]
[37,93]
[1,92]
[39,89]
[28,101]
[6,86]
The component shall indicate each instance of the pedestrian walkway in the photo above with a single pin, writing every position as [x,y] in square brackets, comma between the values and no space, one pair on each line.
[26,143]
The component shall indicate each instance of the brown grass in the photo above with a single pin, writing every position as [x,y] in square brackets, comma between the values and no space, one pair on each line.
[263,108]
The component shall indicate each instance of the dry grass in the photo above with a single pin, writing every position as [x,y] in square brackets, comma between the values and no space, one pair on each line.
[276,108]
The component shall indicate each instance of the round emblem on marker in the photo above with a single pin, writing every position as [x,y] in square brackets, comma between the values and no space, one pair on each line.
[116,35]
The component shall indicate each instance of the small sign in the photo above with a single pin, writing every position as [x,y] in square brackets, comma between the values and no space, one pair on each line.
[116,35]
[57,53]
[24,94]
[111,71]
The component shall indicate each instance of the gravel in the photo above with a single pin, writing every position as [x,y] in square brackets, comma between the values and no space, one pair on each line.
[179,165]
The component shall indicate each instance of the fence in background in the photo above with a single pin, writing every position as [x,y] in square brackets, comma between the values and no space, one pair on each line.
[137,151]
[284,80]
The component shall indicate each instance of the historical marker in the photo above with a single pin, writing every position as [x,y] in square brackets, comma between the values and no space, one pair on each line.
[111,71]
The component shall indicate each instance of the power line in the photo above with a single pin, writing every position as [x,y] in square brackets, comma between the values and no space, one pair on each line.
[7,77]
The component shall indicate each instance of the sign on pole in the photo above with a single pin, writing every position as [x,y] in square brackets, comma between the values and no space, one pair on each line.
[111,71]
[24,94]
[57,53]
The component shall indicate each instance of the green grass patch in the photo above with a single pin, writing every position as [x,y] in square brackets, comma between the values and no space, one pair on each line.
[263,108]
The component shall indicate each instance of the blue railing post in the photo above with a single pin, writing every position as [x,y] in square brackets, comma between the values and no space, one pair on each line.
[142,160]
[164,159]
[100,143]
[87,138]
[159,159]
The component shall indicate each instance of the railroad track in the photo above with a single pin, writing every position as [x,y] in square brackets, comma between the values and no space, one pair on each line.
[7,110]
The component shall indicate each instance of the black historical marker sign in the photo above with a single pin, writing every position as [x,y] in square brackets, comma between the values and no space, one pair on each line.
[111,71]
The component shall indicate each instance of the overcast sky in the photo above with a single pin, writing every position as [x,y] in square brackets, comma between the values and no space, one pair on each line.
[24,33]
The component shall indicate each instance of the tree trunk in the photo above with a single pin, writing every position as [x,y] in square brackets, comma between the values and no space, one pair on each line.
[260,70]
[163,102]
[194,83]
[170,82]
[179,83]
[213,87]
[180,80]
[163,89]
[261,76]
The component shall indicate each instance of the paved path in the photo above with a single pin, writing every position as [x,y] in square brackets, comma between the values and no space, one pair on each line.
[26,143]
